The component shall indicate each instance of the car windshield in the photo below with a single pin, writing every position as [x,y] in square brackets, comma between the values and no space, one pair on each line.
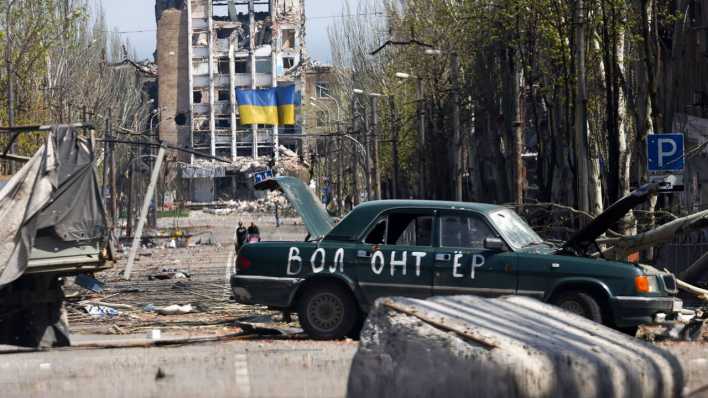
[514,229]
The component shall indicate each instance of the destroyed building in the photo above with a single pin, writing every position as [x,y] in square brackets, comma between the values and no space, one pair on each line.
[206,49]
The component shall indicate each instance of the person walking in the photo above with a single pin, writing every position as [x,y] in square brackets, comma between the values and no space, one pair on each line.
[254,234]
[241,233]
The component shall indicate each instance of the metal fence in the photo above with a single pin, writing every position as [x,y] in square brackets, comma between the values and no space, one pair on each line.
[682,252]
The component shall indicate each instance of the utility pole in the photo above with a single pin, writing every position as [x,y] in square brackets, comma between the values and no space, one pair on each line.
[394,145]
[114,191]
[518,125]
[456,141]
[376,173]
[355,189]
[421,138]
[106,164]
[9,70]
[367,158]
[129,213]
[340,174]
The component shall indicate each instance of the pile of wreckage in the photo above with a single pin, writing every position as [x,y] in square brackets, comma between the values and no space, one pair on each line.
[272,202]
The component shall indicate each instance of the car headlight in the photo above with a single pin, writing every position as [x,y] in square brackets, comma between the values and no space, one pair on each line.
[646,284]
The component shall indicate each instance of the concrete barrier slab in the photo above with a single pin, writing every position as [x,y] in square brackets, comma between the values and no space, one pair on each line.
[468,346]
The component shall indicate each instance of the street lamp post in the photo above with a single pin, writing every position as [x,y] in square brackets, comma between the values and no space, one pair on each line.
[420,111]
[373,147]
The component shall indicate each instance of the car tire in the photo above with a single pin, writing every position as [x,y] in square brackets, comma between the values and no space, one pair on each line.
[327,311]
[580,303]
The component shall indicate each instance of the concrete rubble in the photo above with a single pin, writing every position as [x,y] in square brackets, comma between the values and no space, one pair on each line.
[466,346]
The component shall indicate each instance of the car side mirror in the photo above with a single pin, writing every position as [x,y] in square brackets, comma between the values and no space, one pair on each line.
[494,244]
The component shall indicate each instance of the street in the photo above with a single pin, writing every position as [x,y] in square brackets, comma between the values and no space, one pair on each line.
[353,198]
[292,366]
[264,368]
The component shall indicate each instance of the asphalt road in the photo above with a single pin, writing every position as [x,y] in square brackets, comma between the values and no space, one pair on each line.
[265,368]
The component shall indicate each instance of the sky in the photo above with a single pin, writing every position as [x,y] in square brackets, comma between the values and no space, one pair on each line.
[138,18]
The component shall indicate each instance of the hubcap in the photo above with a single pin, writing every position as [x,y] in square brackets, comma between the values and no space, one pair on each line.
[325,312]
[574,307]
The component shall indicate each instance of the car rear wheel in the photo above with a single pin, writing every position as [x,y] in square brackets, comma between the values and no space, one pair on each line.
[580,303]
[327,311]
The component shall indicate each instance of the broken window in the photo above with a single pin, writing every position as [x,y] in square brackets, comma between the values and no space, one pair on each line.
[377,236]
[288,62]
[263,6]
[320,121]
[241,65]
[263,65]
[223,66]
[200,123]
[410,230]
[223,122]
[322,89]
[197,96]
[200,67]
[288,38]
[200,39]
[220,11]
[223,95]
[264,35]
[224,33]
[464,231]
[404,229]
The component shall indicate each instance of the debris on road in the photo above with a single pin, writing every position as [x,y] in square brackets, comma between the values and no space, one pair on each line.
[88,283]
[174,309]
[170,273]
[515,346]
[100,310]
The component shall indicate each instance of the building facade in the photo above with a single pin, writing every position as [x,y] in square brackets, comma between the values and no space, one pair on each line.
[206,49]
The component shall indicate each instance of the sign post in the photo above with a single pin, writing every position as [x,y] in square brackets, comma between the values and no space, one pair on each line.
[262,175]
[666,160]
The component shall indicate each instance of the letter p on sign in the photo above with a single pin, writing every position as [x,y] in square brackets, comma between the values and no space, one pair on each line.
[665,152]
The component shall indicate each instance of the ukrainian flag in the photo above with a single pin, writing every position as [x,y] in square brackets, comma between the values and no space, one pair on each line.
[273,106]
[257,106]
[287,98]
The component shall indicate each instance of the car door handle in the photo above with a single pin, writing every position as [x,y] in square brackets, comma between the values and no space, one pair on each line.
[555,265]
[363,254]
[443,257]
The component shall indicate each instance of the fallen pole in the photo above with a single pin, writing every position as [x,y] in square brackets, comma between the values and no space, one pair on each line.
[143,213]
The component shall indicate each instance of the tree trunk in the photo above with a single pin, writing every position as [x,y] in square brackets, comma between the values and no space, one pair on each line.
[581,117]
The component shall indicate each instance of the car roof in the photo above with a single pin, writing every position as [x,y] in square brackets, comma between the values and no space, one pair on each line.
[353,224]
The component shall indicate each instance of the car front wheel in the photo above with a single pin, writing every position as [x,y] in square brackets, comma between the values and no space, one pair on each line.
[327,311]
[580,303]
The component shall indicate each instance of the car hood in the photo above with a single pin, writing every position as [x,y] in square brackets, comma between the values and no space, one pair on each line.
[313,213]
[585,237]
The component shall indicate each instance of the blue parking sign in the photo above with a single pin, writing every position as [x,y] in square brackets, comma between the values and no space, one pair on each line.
[665,152]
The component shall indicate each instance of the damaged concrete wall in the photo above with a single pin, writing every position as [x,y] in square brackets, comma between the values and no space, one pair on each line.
[468,346]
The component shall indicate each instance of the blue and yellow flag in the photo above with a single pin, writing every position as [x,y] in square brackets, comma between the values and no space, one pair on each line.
[286,97]
[257,106]
[273,106]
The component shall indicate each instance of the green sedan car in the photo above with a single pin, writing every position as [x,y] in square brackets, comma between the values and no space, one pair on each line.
[419,248]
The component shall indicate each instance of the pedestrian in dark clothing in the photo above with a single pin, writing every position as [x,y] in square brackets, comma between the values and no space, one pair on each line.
[254,234]
[241,233]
